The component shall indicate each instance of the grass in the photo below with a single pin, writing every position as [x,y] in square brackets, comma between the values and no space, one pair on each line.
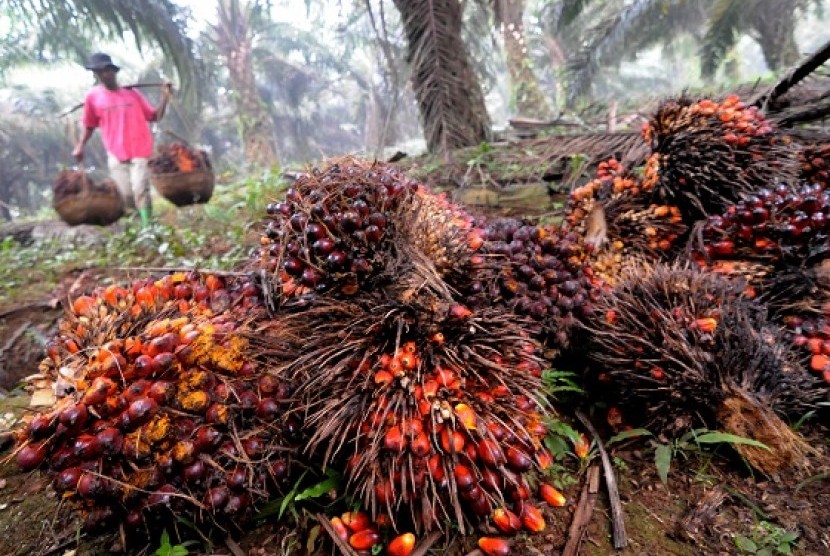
[218,235]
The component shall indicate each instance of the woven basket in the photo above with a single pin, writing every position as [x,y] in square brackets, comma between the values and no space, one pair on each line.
[91,206]
[182,189]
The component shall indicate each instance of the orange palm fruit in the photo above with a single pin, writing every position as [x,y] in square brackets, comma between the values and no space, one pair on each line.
[531,517]
[552,496]
[493,546]
[466,415]
[706,325]
[356,521]
[340,528]
[364,540]
[402,545]
[581,446]
[83,306]
[506,521]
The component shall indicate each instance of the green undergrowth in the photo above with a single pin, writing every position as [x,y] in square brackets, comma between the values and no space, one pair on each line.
[219,235]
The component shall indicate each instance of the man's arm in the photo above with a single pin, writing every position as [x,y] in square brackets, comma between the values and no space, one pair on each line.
[78,152]
[166,93]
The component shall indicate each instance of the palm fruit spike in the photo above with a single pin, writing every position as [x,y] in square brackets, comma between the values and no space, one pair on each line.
[537,272]
[682,347]
[341,229]
[161,408]
[432,413]
[707,154]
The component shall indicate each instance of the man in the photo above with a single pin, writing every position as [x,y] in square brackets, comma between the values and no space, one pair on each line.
[122,114]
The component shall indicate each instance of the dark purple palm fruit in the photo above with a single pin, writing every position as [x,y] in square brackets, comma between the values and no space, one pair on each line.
[815,164]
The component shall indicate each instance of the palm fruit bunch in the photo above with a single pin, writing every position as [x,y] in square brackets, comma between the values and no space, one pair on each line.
[178,157]
[707,154]
[616,217]
[682,348]
[815,164]
[160,408]
[536,271]
[432,414]
[781,227]
[353,225]
[69,183]
[809,333]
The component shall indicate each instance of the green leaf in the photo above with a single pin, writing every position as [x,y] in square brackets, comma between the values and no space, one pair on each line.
[320,488]
[662,460]
[716,437]
[745,544]
[784,548]
[625,435]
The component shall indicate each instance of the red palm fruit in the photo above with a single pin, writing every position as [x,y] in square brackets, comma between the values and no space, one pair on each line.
[402,545]
[706,325]
[419,445]
[394,440]
[480,505]
[356,521]
[552,496]
[364,540]
[544,459]
[67,479]
[518,460]
[383,377]
[531,517]
[464,477]
[31,456]
[452,441]
[216,498]
[506,521]
[74,416]
[492,480]
[459,312]
[339,528]
[490,452]
[492,546]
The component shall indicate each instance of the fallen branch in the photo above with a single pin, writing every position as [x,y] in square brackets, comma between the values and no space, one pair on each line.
[338,542]
[14,337]
[617,522]
[27,307]
[582,515]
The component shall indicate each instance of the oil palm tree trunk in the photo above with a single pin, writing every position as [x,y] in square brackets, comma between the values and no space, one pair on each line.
[450,99]
[526,95]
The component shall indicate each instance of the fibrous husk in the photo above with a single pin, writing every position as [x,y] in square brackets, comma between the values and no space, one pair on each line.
[676,343]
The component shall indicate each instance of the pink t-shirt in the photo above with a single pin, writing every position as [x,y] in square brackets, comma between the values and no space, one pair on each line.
[122,116]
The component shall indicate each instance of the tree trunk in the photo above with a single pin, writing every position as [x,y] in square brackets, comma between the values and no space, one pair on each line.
[526,96]
[450,99]
[256,127]
[776,34]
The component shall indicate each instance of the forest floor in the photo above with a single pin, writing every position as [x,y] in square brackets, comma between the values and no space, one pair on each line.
[711,502]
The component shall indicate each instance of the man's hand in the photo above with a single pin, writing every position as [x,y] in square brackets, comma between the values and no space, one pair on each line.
[167,90]
[78,153]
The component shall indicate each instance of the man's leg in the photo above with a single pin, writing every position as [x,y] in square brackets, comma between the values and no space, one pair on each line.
[140,178]
[120,174]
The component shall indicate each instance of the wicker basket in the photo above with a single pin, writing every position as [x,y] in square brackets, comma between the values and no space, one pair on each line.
[91,206]
[182,188]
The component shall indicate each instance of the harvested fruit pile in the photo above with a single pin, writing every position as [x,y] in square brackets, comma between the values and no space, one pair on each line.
[707,154]
[69,183]
[178,157]
[160,410]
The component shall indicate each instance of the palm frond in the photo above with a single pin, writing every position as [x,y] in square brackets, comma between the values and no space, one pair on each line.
[799,73]
[725,25]
[68,27]
[613,37]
